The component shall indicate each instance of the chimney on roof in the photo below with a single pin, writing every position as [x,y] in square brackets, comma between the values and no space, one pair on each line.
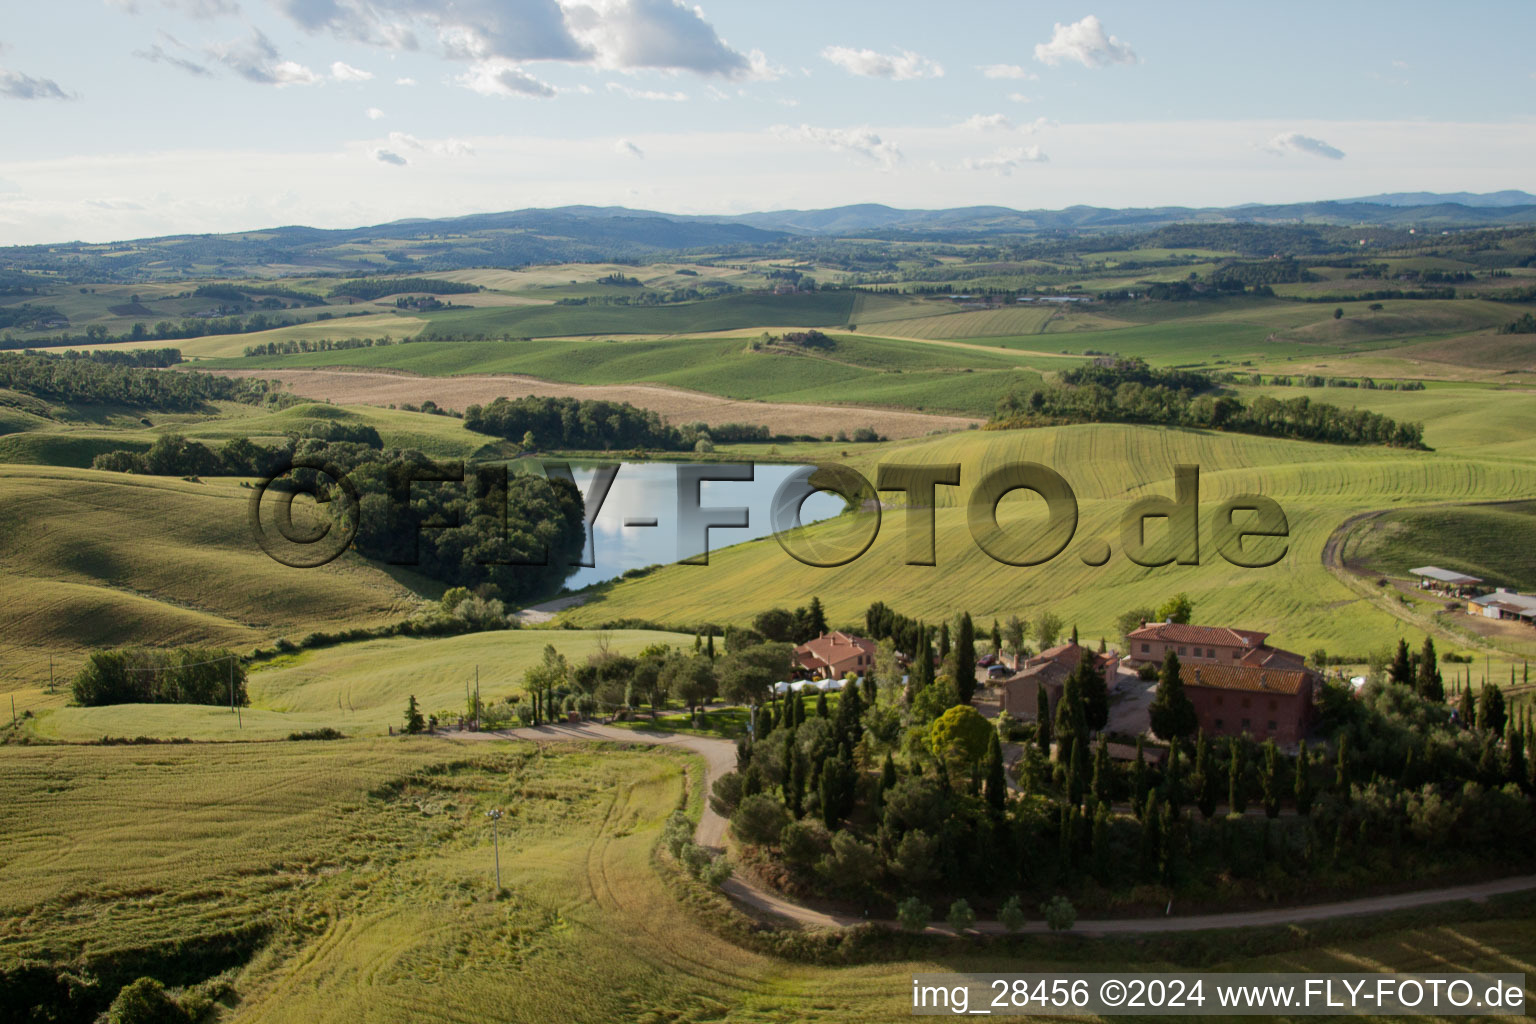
[1263,680]
[1168,621]
[1143,623]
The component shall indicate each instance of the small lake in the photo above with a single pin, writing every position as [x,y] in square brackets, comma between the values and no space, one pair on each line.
[638,522]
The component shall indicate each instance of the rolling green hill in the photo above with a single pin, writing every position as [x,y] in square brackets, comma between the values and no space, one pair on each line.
[750,309]
[1494,542]
[93,559]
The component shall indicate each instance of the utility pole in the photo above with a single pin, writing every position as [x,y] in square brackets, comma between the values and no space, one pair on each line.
[495,815]
[477,708]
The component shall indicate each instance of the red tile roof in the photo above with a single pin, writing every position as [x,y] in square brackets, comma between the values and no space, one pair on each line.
[833,649]
[1245,677]
[1179,633]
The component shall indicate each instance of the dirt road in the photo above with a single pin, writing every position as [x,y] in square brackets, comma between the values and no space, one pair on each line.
[720,757]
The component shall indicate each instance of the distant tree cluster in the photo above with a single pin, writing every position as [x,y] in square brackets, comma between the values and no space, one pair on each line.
[1525,325]
[298,345]
[378,287]
[1115,393]
[653,297]
[183,675]
[91,381]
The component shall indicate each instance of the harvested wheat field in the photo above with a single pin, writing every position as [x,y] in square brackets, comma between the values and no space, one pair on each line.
[361,387]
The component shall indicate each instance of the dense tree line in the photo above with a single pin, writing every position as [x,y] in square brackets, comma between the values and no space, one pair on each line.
[653,297]
[175,455]
[149,358]
[91,381]
[378,287]
[183,675]
[572,423]
[164,330]
[1274,271]
[1100,400]
[298,345]
[26,315]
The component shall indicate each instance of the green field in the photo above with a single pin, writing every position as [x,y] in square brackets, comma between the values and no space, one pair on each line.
[357,688]
[1494,542]
[858,371]
[352,880]
[95,559]
[751,309]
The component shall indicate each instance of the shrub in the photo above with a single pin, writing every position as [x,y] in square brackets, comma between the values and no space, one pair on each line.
[145,1001]
[1059,913]
[912,914]
[759,820]
[804,842]
[725,794]
[316,734]
[961,916]
[1011,915]
[677,835]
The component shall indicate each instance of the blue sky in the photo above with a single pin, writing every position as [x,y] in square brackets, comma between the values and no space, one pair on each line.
[135,117]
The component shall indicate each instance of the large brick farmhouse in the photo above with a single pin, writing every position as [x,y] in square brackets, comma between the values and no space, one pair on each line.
[1267,704]
[834,655]
[1019,693]
[1206,645]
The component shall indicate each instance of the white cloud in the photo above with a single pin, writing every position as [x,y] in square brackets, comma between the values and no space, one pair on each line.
[289,72]
[618,34]
[1005,161]
[1295,142]
[374,113]
[344,72]
[500,77]
[987,123]
[405,81]
[860,141]
[16,86]
[191,8]
[1006,71]
[439,147]
[663,34]
[760,70]
[646,94]
[385,156]
[899,66]
[1087,43]
[1018,97]
[158,54]
[256,59]
[627,148]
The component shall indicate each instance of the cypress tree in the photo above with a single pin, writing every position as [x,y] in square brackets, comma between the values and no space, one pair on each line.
[1205,769]
[1043,720]
[943,641]
[1237,793]
[1071,722]
[796,801]
[1151,845]
[997,638]
[1171,713]
[1139,776]
[1465,710]
[709,646]
[1491,713]
[1173,779]
[1095,693]
[1427,681]
[1401,669]
[1102,773]
[1271,779]
[965,659]
[997,781]
[1488,770]
[818,618]
[1515,769]
[822,710]
[1168,830]
[1065,833]
[1303,781]
[1101,842]
[1077,771]
[1074,633]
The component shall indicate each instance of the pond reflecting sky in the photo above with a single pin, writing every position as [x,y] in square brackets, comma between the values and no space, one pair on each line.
[649,491]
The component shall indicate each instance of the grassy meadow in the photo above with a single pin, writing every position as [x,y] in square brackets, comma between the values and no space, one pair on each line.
[352,880]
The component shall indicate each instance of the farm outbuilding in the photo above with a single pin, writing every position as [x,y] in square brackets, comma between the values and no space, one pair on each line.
[1432,577]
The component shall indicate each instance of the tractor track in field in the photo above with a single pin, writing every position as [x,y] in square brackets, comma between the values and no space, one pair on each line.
[720,757]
